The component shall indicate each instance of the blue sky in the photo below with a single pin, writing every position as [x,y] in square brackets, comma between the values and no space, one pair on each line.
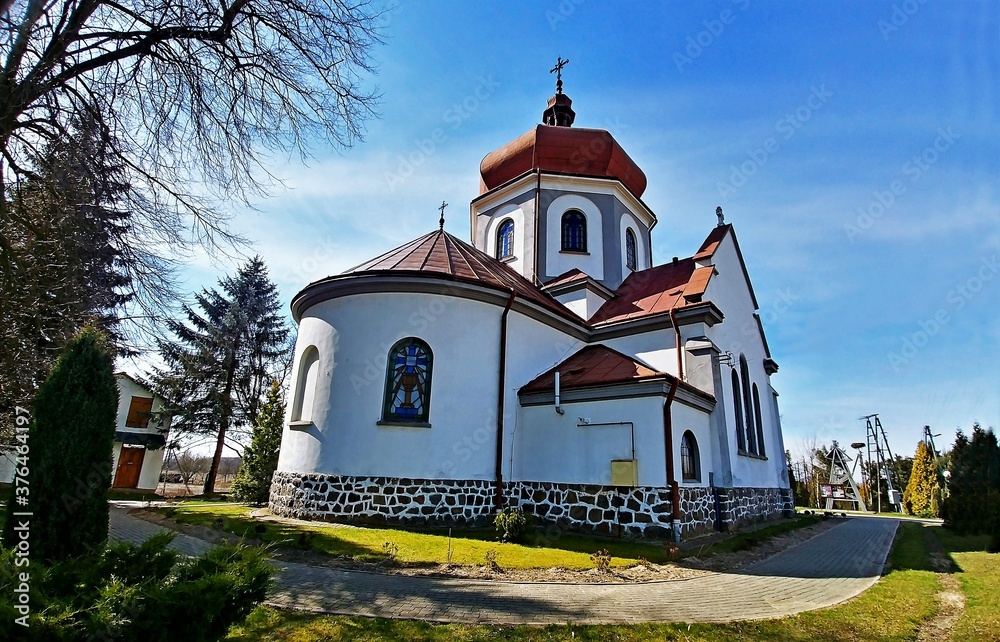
[855,146]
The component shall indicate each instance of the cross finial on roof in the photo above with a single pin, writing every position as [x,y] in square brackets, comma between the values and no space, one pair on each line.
[441,220]
[722,219]
[557,70]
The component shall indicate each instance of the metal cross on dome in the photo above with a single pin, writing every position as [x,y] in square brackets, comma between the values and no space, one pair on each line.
[557,70]
[441,220]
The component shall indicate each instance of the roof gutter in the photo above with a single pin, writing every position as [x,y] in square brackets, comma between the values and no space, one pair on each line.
[668,442]
[498,496]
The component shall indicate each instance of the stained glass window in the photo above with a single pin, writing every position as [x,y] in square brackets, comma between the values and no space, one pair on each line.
[505,239]
[630,250]
[408,382]
[574,231]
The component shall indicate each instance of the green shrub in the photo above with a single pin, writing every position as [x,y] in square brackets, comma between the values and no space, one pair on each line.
[253,480]
[135,593]
[511,524]
[68,454]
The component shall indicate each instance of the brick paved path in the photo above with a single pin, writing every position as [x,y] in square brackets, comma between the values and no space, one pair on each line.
[825,570]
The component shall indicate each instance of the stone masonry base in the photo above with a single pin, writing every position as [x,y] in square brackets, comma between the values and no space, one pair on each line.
[605,510]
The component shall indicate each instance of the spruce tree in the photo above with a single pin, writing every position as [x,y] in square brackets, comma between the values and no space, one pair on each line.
[224,357]
[260,459]
[973,502]
[918,497]
[69,454]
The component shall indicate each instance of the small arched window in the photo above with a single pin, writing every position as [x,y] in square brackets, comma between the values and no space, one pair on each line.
[305,394]
[630,259]
[574,231]
[505,239]
[408,382]
[690,461]
[741,438]
[748,406]
[757,419]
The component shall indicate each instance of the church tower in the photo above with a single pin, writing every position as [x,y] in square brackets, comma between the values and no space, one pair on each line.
[561,205]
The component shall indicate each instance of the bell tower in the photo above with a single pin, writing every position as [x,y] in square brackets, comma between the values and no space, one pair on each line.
[560,201]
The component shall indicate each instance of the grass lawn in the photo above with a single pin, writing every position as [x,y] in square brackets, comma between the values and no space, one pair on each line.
[980,577]
[891,610]
[469,546]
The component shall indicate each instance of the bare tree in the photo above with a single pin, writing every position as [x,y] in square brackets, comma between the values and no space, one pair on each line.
[191,98]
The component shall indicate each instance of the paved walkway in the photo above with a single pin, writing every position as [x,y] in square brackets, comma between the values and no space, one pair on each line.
[825,570]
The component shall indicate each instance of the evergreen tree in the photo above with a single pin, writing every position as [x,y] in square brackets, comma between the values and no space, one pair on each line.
[260,458]
[918,498]
[68,267]
[69,454]
[973,502]
[223,358]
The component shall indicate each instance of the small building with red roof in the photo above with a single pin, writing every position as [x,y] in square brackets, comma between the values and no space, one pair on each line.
[547,363]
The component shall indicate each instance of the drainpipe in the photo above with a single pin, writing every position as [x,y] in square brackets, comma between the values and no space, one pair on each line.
[498,497]
[677,344]
[668,439]
[558,408]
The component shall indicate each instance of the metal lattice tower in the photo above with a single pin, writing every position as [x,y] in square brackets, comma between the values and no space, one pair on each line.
[929,442]
[841,475]
[878,445]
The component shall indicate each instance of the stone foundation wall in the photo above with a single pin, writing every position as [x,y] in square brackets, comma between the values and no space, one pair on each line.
[741,506]
[604,510]
[381,500]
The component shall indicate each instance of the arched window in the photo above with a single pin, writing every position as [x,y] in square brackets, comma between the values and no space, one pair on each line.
[690,461]
[574,231]
[505,239]
[305,393]
[630,260]
[408,382]
[741,437]
[757,419]
[748,406]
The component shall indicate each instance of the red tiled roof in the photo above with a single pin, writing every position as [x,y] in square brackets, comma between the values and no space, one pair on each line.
[593,366]
[441,253]
[563,150]
[663,287]
[711,243]
[570,276]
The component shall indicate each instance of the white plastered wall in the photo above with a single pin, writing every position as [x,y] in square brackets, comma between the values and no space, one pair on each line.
[554,448]
[739,334]
[353,335]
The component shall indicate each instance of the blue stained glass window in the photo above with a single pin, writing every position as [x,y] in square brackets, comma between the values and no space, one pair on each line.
[505,239]
[408,382]
[574,231]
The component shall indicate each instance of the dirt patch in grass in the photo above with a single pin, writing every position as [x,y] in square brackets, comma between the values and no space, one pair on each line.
[950,599]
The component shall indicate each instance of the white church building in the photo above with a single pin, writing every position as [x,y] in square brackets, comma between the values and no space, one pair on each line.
[547,364]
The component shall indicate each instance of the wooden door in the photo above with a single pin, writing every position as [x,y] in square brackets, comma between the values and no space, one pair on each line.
[129,466]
